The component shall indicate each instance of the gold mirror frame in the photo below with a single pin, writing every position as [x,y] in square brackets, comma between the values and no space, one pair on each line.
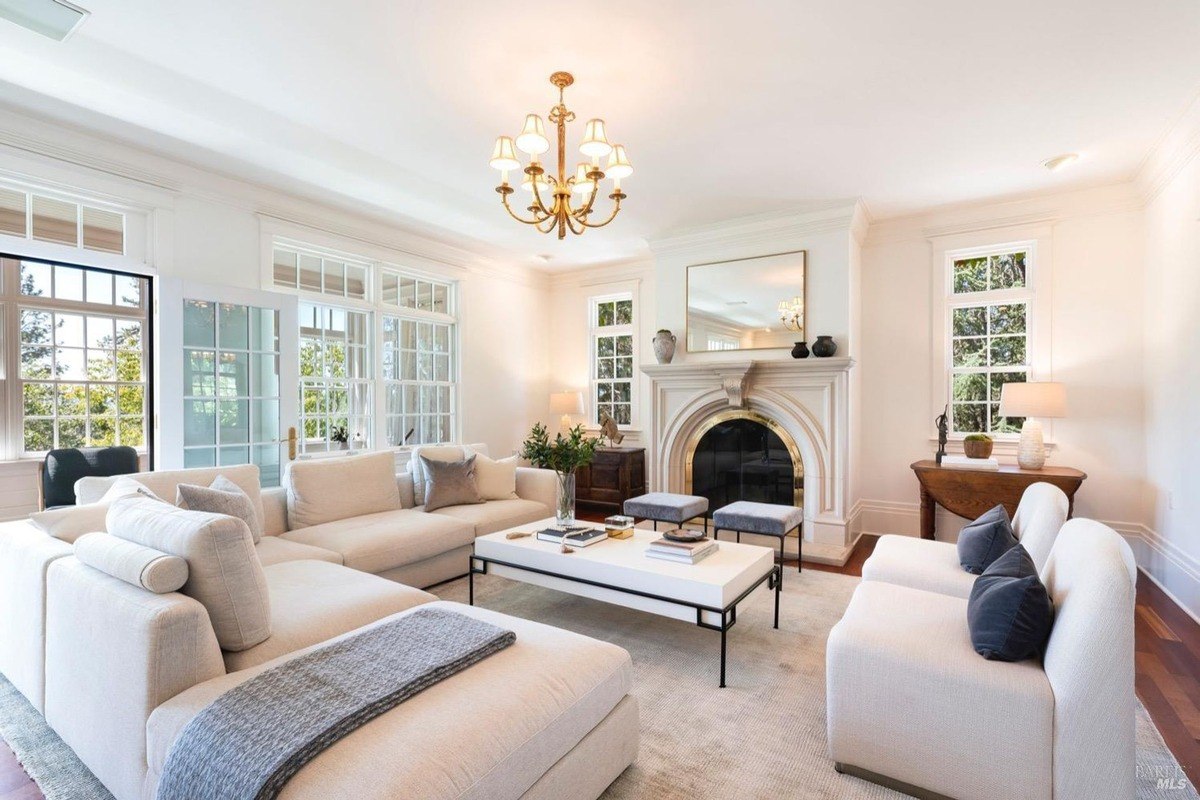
[687,289]
[770,424]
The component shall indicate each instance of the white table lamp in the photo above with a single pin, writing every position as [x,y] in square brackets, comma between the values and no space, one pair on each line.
[567,404]
[1033,401]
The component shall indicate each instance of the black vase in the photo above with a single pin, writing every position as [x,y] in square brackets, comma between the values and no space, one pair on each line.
[800,350]
[824,347]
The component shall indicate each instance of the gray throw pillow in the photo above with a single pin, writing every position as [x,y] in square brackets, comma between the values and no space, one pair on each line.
[983,541]
[450,483]
[222,496]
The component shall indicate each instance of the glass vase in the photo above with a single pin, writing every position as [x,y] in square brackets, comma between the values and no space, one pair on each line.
[564,513]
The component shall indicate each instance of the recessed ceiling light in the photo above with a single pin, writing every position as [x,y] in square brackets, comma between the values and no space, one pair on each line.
[1058,162]
[57,19]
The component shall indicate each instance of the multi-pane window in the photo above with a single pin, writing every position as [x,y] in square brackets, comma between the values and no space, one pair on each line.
[612,358]
[231,386]
[81,355]
[309,272]
[419,294]
[419,376]
[990,314]
[58,221]
[335,375]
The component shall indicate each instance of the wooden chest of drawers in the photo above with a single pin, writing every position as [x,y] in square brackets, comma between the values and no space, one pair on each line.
[616,474]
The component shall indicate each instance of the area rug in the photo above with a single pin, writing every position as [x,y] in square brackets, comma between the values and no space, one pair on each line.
[761,737]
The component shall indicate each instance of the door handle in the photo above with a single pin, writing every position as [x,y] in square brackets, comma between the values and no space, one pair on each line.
[292,444]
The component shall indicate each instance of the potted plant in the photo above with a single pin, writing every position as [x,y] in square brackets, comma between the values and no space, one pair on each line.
[564,455]
[339,435]
[977,445]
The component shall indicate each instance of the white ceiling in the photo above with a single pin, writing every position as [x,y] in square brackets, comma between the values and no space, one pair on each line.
[727,108]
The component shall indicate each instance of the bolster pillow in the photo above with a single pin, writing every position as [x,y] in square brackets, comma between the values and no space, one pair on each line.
[141,566]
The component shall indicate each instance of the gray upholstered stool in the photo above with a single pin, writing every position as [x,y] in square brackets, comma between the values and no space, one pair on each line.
[765,519]
[667,507]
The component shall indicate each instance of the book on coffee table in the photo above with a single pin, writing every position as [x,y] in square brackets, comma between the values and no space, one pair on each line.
[575,537]
[682,552]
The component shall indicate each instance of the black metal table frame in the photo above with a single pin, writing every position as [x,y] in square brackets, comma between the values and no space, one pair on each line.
[773,578]
[799,539]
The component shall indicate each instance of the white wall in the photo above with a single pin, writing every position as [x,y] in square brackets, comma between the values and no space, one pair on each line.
[1172,375]
[1094,348]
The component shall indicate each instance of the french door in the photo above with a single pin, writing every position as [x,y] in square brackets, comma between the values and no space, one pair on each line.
[227,378]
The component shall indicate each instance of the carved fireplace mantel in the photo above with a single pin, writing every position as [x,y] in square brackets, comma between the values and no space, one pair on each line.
[809,398]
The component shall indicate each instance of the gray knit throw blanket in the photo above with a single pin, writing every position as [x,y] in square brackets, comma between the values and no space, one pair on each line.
[253,738]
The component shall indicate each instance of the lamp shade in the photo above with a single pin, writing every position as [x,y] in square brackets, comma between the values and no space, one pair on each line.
[566,403]
[1033,400]
[595,143]
[583,185]
[618,163]
[532,139]
[503,155]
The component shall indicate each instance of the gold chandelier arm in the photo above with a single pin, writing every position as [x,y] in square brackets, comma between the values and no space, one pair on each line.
[552,222]
[537,198]
[572,224]
[617,197]
[511,213]
[585,209]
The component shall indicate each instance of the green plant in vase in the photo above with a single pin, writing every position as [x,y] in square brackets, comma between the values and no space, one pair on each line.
[564,455]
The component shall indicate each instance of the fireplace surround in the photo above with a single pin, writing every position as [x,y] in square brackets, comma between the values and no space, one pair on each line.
[740,454]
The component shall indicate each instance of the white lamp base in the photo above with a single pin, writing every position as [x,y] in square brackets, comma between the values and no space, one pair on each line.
[564,425]
[1031,452]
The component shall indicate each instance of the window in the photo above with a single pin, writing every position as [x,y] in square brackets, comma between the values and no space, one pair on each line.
[418,374]
[80,356]
[612,332]
[309,272]
[990,320]
[44,218]
[335,374]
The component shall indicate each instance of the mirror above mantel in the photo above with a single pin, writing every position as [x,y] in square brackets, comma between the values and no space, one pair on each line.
[746,304]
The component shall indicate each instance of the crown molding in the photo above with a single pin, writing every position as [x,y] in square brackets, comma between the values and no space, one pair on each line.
[764,229]
[1174,150]
[609,272]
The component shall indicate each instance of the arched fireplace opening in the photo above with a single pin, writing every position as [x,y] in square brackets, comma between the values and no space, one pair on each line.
[741,455]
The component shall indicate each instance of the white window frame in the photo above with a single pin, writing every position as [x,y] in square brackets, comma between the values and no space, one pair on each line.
[594,334]
[1037,242]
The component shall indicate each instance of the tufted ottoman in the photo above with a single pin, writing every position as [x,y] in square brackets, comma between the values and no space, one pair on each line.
[765,519]
[667,507]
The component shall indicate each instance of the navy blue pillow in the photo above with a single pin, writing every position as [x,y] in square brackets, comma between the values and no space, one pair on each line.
[1009,611]
[983,541]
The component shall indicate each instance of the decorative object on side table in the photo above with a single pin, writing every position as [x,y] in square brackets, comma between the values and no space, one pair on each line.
[800,350]
[977,445]
[824,347]
[1032,401]
[564,455]
[609,429]
[664,346]
[943,429]
[567,404]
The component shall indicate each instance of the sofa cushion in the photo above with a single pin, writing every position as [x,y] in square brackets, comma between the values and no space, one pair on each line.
[488,732]
[222,496]
[496,478]
[165,484]
[137,565]
[919,564]
[223,572]
[312,601]
[386,540]
[983,541]
[68,524]
[433,452]
[496,515]
[329,489]
[1009,611]
[277,550]
[450,483]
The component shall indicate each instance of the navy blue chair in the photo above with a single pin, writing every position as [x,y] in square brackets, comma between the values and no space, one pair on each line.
[61,468]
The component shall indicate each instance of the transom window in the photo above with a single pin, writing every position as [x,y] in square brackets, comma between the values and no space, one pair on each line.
[43,218]
[80,355]
[612,332]
[990,314]
[309,272]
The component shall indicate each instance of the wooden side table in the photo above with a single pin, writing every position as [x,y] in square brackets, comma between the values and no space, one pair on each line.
[616,474]
[970,492]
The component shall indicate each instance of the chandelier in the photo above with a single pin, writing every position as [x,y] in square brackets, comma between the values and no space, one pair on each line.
[551,195]
[791,313]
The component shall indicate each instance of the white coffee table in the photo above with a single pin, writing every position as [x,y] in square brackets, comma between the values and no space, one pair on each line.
[618,571]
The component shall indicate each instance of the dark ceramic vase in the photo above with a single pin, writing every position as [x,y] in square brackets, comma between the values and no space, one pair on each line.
[800,350]
[824,347]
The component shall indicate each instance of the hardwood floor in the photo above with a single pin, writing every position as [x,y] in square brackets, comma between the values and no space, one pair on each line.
[1168,676]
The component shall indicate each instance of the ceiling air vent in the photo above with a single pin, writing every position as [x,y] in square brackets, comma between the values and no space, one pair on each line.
[57,19]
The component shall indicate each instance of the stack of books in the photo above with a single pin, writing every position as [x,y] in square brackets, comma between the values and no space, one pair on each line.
[578,536]
[681,552]
[962,462]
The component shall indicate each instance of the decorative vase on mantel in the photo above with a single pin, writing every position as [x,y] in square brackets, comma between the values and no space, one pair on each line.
[664,346]
[800,350]
[824,347]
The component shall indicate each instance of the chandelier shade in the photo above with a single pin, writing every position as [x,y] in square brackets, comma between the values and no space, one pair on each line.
[552,187]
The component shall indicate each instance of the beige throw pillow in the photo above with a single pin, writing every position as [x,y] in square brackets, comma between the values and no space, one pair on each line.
[72,522]
[141,566]
[328,489]
[222,496]
[450,483]
[224,573]
[496,478]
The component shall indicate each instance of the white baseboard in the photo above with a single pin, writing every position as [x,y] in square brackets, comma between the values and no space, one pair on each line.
[1172,570]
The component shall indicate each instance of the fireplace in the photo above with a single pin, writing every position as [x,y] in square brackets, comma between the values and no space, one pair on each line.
[743,455]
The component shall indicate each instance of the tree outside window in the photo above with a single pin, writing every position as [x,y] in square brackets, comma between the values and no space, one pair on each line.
[612,358]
